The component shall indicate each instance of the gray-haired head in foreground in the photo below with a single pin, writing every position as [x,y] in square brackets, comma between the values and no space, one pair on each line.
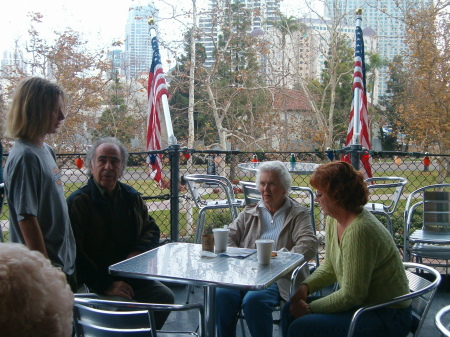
[108,140]
[279,168]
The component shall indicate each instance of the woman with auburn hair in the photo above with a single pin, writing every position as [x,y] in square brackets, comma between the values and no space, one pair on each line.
[360,255]
[38,213]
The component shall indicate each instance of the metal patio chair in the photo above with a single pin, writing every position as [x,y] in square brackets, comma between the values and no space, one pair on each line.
[442,321]
[102,318]
[200,185]
[386,207]
[196,183]
[421,296]
[251,193]
[430,244]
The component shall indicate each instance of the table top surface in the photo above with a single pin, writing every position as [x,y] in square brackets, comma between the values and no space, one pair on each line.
[184,263]
[295,168]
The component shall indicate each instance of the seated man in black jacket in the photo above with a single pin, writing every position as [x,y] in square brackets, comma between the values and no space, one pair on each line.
[111,223]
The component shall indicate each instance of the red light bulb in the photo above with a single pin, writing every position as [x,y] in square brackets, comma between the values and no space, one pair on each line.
[79,162]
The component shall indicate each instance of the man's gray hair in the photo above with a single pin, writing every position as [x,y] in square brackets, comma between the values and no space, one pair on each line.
[279,168]
[108,140]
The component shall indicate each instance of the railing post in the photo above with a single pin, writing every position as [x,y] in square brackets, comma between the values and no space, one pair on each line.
[355,152]
[174,158]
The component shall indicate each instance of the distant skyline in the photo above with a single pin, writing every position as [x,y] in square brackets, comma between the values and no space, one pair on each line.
[101,22]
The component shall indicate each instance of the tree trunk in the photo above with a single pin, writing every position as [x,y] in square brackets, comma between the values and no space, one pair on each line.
[191,137]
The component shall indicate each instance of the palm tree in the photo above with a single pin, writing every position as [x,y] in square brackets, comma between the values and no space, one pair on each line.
[286,26]
[375,63]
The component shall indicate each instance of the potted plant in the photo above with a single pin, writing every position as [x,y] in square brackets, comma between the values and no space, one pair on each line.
[215,219]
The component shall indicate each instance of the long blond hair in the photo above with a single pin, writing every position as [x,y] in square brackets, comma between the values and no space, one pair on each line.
[34,101]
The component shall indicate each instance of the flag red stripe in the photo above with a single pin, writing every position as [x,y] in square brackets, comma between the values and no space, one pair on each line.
[156,87]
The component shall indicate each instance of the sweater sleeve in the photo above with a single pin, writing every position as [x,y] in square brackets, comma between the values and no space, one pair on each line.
[357,251]
[324,275]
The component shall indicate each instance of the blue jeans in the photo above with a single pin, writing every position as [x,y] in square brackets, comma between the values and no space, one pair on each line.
[384,322]
[256,305]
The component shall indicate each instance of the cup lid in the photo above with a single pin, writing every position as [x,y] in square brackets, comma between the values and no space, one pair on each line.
[220,230]
[264,241]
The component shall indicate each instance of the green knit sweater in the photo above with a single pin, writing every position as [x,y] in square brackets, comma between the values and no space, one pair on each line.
[366,264]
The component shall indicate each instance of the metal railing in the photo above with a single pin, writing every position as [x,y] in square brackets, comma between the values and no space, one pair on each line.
[169,202]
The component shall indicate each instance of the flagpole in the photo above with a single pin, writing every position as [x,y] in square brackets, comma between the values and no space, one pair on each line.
[356,147]
[356,97]
[165,103]
[174,157]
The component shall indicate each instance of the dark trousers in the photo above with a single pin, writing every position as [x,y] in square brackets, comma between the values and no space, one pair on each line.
[386,322]
[147,291]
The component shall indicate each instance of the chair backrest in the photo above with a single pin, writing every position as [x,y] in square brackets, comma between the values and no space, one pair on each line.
[305,196]
[125,318]
[434,201]
[195,182]
[436,211]
[395,185]
[421,295]
[442,321]
[94,322]
[91,330]
[251,193]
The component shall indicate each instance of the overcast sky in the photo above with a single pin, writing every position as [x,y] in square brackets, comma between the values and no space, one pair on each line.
[100,21]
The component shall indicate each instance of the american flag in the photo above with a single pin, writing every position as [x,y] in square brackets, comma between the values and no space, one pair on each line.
[156,88]
[359,103]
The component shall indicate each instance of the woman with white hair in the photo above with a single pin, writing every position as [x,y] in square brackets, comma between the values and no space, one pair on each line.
[288,224]
[35,297]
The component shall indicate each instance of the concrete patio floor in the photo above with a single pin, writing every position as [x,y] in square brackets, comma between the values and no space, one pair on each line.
[188,320]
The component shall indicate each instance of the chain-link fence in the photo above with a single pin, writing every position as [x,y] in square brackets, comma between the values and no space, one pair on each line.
[170,203]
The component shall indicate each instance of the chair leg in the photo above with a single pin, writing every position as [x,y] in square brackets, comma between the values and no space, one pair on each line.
[190,289]
[389,225]
[242,322]
[200,225]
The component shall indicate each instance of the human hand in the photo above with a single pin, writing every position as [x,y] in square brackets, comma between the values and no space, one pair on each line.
[299,309]
[120,288]
[133,254]
[301,293]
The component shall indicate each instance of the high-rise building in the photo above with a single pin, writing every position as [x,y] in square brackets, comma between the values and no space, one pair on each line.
[305,50]
[262,13]
[138,48]
[115,56]
[383,17]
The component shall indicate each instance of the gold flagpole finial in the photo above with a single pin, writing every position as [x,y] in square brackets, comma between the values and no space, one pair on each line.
[359,11]
[151,21]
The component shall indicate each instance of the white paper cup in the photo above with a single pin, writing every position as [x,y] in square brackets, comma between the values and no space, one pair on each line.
[264,250]
[220,239]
